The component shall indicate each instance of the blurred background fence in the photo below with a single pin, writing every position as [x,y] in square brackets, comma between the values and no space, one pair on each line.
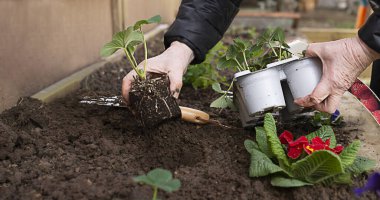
[43,41]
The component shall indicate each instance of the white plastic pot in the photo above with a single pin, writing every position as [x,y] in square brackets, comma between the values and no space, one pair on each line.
[303,76]
[261,90]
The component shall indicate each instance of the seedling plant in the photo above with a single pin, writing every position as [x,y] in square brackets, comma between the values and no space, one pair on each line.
[128,40]
[312,159]
[149,97]
[159,179]
[245,55]
[205,74]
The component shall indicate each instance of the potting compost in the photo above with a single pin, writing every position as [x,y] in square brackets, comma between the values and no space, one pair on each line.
[67,150]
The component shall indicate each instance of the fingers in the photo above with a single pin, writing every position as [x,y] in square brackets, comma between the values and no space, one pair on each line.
[175,78]
[320,93]
[330,104]
[311,50]
[127,85]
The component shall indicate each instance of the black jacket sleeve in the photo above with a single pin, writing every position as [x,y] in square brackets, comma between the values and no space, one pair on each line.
[200,24]
[370,32]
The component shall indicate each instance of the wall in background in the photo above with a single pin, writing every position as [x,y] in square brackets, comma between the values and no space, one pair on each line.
[43,41]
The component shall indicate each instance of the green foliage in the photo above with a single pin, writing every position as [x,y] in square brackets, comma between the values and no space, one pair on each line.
[261,165]
[159,179]
[317,166]
[279,181]
[322,118]
[262,141]
[128,40]
[325,132]
[322,166]
[205,74]
[246,55]
[274,142]
[224,101]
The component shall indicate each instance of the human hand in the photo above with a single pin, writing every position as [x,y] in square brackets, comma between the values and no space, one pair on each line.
[343,61]
[173,62]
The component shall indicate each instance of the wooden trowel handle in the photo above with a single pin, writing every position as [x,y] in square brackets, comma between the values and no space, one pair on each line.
[194,116]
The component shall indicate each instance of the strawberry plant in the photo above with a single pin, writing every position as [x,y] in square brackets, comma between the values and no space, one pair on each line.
[206,74]
[245,55]
[159,179]
[127,40]
[321,118]
[149,97]
[311,159]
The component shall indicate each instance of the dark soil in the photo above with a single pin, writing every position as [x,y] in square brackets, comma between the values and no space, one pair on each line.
[67,150]
[152,102]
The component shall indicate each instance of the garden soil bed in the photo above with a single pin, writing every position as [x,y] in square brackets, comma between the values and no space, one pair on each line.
[66,150]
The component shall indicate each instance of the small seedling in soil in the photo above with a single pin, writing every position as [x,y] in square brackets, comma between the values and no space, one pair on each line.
[150,97]
[159,179]
[244,55]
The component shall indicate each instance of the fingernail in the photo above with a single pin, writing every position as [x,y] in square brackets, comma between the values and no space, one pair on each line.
[175,93]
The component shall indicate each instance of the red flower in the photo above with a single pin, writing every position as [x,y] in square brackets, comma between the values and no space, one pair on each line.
[318,144]
[294,147]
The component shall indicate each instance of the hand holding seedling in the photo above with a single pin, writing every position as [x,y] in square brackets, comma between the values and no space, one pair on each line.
[173,62]
[343,61]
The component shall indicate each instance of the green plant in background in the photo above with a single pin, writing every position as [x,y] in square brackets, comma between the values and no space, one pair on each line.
[128,40]
[311,159]
[159,179]
[205,74]
[244,55]
[321,118]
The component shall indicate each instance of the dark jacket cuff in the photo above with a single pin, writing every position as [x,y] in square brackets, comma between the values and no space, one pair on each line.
[200,24]
[370,32]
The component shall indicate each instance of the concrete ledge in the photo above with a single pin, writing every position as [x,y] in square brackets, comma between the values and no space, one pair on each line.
[327,34]
[72,82]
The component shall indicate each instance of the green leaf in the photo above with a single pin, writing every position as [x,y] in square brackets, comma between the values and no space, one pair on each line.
[223,102]
[154,19]
[226,64]
[360,165]
[125,39]
[262,141]
[261,165]
[216,87]
[232,52]
[160,178]
[278,181]
[318,166]
[274,141]
[170,186]
[344,178]
[325,132]
[116,44]
[249,145]
[348,155]
[279,35]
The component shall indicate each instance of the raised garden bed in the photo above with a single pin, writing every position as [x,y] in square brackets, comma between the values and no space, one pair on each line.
[66,150]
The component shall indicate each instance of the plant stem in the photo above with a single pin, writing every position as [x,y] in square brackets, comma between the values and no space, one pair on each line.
[240,68]
[272,49]
[155,190]
[245,59]
[133,64]
[146,54]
